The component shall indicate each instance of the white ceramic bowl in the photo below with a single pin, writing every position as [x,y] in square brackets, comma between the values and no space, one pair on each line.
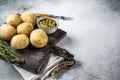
[47,30]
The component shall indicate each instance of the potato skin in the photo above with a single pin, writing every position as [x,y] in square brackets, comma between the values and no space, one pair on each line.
[14,20]
[29,17]
[20,41]
[38,38]
[7,31]
[25,28]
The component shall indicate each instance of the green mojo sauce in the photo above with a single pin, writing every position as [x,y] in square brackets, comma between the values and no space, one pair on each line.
[48,23]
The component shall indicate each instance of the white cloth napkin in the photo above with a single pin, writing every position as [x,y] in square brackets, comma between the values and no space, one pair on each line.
[53,62]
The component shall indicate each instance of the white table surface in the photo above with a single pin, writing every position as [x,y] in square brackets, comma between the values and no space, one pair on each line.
[93,36]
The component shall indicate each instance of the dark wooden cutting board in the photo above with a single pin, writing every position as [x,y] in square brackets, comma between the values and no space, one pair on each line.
[36,58]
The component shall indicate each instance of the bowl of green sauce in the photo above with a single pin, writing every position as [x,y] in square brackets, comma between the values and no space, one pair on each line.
[49,25]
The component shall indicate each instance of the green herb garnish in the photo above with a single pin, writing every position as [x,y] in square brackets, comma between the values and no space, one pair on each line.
[7,54]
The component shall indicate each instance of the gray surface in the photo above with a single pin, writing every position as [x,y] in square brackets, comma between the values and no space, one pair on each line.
[93,36]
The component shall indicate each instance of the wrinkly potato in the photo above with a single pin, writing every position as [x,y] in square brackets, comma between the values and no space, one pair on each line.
[20,41]
[29,17]
[14,20]
[38,38]
[25,28]
[7,31]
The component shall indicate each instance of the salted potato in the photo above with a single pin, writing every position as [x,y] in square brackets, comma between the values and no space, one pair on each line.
[20,41]
[7,31]
[25,28]
[38,38]
[29,17]
[14,20]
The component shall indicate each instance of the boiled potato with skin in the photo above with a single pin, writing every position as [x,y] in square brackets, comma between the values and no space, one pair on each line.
[20,41]
[7,31]
[29,17]
[25,28]
[14,20]
[38,38]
